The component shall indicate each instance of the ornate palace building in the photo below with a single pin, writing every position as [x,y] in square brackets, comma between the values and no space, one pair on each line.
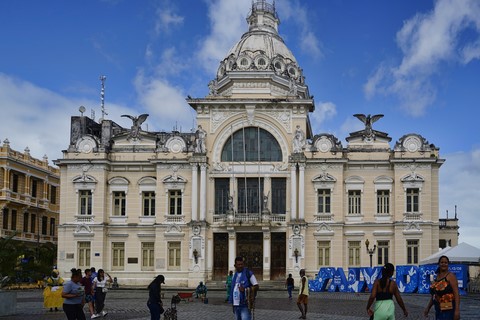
[252,181]
[29,197]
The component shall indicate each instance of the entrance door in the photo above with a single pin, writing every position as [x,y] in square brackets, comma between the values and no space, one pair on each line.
[220,256]
[250,247]
[278,254]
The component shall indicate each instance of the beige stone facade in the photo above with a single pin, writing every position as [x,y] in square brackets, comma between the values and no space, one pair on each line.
[253,181]
[29,197]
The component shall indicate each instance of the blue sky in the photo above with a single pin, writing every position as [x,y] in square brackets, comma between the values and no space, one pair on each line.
[416,62]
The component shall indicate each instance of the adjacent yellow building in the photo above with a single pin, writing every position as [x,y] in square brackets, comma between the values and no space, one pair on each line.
[252,181]
[29,197]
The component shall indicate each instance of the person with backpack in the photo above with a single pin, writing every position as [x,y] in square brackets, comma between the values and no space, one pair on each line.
[244,291]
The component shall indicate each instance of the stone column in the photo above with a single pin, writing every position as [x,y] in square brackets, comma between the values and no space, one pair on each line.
[209,255]
[194,192]
[301,192]
[203,191]
[232,250]
[293,192]
[266,255]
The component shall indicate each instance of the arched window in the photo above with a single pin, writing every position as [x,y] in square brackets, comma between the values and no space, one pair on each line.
[251,144]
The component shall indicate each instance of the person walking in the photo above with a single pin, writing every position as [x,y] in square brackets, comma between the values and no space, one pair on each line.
[74,294]
[154,303]
[88,285]
[382,292]
[290,285]
[100,287]
[302,300]
[228,285]
[244,291]
[52,294]
[444,293]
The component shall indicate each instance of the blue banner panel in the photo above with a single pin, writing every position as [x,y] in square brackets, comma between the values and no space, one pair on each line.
[320,283]
[426,273]
[370,275]
[339,282]
[353,281]
[407,278]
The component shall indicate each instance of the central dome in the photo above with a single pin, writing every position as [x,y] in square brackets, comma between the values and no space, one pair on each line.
[261,47]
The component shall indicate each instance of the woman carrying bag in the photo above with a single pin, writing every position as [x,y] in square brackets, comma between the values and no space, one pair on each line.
[100,287]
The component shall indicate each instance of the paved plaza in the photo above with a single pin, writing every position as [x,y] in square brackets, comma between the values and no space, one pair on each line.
[130,304]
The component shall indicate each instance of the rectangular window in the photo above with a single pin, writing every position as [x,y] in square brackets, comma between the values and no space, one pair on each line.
[118,255]
[33,223]
[222,191]
[279,195]
[354,253]
[119,203]
[383,202]
[174,255]
[148,255]
[412,200]
[83,254]
[324,200]
[175,202]
[52,227]
[323,253]
[44,225]
[5,218]
[13,225]
[14,182]
[148,203]
[34,189]
[250,195]
[354,204]
[382,253]
[85,202]
[53,195]
[412,251]
[26,216]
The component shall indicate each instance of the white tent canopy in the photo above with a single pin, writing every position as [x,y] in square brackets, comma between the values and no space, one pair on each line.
[463,253]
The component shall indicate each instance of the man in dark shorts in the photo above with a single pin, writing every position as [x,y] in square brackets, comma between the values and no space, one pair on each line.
[87,283]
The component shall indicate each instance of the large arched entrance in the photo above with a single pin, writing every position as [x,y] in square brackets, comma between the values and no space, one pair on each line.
[250,247]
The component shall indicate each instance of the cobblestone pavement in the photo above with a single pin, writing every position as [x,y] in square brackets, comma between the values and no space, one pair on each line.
[130,304]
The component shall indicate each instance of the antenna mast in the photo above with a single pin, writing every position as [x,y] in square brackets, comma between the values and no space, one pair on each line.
[102,96]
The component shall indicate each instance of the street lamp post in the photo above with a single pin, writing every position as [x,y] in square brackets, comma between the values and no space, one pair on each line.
[370,251]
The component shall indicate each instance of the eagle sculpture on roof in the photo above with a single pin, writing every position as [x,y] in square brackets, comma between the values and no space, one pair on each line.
[136,125]
[368,120]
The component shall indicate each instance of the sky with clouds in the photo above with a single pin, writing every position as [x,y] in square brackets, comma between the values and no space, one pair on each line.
[416,62]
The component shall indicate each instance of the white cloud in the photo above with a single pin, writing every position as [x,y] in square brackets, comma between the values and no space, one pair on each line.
[227,23]
[166,18]
[39,118]
[459,185]
[427,41]
[164,102]
[323,111]
[293,9]
[351,124]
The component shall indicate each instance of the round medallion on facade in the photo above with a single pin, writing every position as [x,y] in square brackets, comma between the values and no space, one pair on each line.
[412,144]
[86,145]
[175,145]
[323,144]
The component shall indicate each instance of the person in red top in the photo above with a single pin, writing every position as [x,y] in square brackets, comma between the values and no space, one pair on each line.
[87,283]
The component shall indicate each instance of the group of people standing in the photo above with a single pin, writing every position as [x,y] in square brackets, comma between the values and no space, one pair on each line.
[72,295]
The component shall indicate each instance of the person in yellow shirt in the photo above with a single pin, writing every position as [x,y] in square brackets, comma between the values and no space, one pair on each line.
[302,300]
